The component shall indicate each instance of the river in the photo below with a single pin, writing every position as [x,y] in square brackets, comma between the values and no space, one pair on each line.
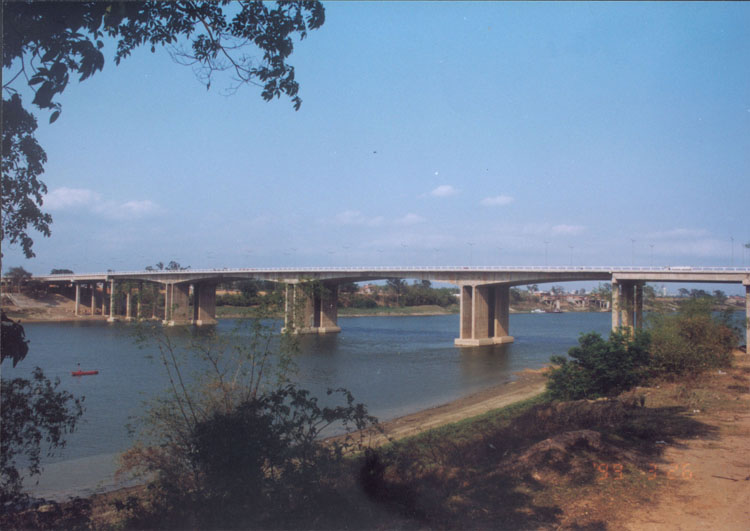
[394,365]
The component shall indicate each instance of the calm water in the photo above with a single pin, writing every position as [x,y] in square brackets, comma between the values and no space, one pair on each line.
[395,365]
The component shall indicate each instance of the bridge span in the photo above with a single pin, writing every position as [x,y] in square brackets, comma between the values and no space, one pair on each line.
[484,292]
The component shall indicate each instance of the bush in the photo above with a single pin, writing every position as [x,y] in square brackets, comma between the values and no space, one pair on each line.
[259,464]
[691,341]
[363,302]
[600,368]
[235,444]
[35,414]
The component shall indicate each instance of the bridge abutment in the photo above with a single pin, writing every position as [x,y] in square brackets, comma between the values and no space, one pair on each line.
[485,311]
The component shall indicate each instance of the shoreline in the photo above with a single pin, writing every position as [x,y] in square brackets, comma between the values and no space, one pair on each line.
[527,384]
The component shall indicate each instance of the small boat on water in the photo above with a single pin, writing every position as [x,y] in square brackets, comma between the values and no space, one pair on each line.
[79,372]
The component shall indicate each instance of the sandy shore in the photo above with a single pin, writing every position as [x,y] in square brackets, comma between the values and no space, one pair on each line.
[528,383]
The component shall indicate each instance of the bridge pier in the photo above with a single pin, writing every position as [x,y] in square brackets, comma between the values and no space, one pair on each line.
[311,309]
[78,298]
[204,304]
[747,316]
[627,305]
[485,315]
[177,305]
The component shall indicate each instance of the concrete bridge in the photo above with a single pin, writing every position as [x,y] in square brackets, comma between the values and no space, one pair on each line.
[484,292]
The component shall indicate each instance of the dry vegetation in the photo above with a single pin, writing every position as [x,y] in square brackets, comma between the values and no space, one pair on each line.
[582,464]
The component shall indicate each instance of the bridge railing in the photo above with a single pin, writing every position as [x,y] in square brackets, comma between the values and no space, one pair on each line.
[410,269]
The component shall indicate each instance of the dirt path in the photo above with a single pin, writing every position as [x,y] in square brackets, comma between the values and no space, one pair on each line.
[717,496]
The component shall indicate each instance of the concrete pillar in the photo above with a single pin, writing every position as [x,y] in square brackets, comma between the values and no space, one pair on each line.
[627,306]
[311,309]
[502,315]
[639,305]
[111,318]
[480,324]
[615,305]
[128,317]
[329,309]
[93,298]
[204,304]
[179,307]
[466,312]
[167,302]
[78,298]
[138,315]
[484,316]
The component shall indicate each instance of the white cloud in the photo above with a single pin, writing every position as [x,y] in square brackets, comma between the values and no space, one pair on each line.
[355,217]
[571,230]
[553,230]
[139,208]
[410,219]
[64,198]
[678,234]
[444,190]
[497,200]
[71,198]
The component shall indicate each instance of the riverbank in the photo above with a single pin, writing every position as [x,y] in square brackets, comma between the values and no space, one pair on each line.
[677,458]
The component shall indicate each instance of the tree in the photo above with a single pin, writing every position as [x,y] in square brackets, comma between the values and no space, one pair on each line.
[61,272]
[18,276]
[45,43]
[34,414]
[235,445]
[22,191]
[692,340]
[396,285]
[600,368]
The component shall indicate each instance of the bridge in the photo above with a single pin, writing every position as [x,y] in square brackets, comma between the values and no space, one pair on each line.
[484,292]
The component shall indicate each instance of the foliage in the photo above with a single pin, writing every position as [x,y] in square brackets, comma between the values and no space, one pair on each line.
[234,442]
[15,346]
[691,340]
[599,367]
[34,414]
[45,43]
[22,164]
[61,272]
[18,275]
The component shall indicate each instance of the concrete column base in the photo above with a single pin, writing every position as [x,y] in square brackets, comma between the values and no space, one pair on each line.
[312,330]
[177,322]
[483,341]
[329,329]
[112,319]
[205,322]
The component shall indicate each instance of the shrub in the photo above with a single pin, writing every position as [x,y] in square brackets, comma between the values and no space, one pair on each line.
[599,367]
[35,414]
[690,341]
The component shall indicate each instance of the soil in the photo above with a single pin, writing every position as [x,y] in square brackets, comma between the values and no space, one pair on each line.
[717,493]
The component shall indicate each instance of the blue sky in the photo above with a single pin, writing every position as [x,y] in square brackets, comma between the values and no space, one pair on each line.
[429,134]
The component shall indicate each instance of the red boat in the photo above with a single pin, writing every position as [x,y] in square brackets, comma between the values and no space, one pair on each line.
[83,373]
